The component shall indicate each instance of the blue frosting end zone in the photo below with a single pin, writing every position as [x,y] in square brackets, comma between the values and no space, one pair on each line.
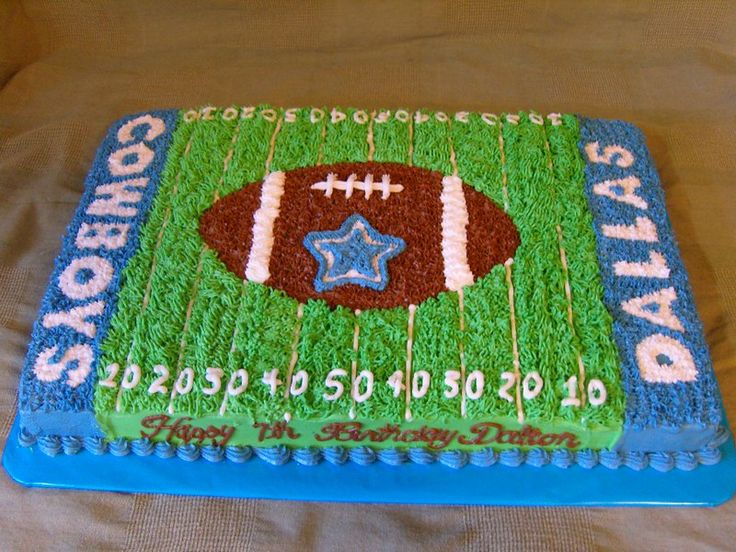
[56,391]
[678,415]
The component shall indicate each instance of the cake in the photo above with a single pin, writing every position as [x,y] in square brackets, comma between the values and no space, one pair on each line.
[331,284]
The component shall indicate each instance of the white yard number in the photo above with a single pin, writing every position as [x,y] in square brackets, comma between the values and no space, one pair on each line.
[532,385]
[395,382]
[596,392]
[474,385]
[509,380]
[366,376]
[271,378]
[452,379]
[420,384]
[214,376]
[158,384]
[299,383]
[185,381]
[131,377]
[238,382]
[112,371]
[571,385]
[333,383]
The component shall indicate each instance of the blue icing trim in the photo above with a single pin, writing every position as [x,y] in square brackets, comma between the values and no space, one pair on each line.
[483,458]
[682,415]
[119,447]
[720,438]
[57,382]
[661,461]
[279,455]
[686,461]
[238,454]
[610,459]
[362,455]
[562,458]
[335,455]
[453,458]
[511,457]
[306,456]
[213,453]
[393,457]
[188,453]
[636,460]
[95,445]
[71,445]
[165,450]
[142,447]
[709,456]
[538,458]
[26,438]
[50,444]
[356,253]
[422,456]
[586,458]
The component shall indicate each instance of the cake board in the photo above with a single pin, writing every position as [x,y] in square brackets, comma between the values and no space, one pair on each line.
[379,483]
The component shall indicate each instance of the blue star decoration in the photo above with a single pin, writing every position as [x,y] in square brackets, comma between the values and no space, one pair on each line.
[356,253]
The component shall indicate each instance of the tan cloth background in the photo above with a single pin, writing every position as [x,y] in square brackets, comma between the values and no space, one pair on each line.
[68,69]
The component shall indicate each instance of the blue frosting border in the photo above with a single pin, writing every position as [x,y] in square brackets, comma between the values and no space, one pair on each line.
[561,458]
[661,416]
[55,407]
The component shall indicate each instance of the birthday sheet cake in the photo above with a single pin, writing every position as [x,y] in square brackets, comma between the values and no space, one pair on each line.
[333,284]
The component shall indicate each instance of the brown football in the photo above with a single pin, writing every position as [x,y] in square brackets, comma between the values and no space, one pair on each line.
[452,233]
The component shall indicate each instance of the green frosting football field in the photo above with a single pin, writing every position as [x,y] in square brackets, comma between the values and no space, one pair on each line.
[181,312]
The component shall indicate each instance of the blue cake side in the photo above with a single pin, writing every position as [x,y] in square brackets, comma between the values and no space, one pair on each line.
[56,391]
[672,398]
